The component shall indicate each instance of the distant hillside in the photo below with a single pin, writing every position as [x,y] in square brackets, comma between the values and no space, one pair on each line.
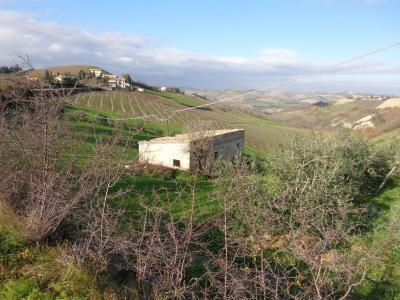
[269,101]
[370,116]
[273,101]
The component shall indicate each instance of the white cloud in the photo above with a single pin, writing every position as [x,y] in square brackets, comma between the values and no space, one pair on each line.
[51,44]
[124,59]
[54,47]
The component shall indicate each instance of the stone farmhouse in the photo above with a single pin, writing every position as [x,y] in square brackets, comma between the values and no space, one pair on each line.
[182,151]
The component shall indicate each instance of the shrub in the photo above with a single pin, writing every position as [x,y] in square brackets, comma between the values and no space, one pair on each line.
[78,116]
[158,132]
[23,289]
[103,119]
[353,164]
[289,233]
[11,245]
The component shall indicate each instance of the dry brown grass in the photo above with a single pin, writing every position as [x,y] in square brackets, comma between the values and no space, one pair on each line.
[391,103]
[73,69]
[8,218]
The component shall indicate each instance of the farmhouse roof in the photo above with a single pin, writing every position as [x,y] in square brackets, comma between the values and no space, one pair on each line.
[186,137]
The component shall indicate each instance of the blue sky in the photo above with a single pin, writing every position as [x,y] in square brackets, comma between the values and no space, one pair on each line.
[215,44]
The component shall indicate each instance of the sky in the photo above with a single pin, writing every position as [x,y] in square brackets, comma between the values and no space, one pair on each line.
[214,44]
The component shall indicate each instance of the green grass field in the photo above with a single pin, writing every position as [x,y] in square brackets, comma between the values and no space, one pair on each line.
[384,280]
[166,186]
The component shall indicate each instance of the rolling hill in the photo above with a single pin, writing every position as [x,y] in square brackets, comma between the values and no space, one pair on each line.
[267,116]
[369,116]
[260,133]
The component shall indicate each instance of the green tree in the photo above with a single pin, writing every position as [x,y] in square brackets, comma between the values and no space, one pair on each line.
[81,74]
[48,76]
[127,78]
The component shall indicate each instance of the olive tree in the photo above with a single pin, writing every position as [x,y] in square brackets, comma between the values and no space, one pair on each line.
[292,233]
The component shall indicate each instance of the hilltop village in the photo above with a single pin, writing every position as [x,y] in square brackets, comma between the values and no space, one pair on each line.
[92,78]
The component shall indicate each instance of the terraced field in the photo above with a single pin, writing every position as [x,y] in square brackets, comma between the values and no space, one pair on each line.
[260,133]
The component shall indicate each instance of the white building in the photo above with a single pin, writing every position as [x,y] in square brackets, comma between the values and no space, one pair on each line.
[121,82]
[96,72]
[112,83]
[110,76]
[163,89]
[181,151]
[59,78]
[118,82]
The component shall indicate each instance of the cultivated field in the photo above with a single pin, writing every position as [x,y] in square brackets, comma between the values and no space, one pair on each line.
[158,106]
[391,103]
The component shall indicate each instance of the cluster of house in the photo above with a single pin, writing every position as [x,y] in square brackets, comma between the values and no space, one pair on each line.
[355,96]
[114,81]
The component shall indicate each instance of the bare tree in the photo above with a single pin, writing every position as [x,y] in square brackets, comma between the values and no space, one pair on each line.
[44,177]
[25,61]
[164,247]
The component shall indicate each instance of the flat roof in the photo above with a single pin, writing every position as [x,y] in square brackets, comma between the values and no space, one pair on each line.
[185,137]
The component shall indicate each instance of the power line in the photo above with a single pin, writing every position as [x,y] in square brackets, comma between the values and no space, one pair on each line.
[123,119]
[373,52]
[367,54]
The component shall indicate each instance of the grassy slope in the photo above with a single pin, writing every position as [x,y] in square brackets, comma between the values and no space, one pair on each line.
[92,127]
[177,98]
[260,133]
[384,281]
[390,137]
[30,272]
[386,122]
[323,117]
[122,104]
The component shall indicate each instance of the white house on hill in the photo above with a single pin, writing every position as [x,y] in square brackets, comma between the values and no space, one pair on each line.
[96,72]
[181,151]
